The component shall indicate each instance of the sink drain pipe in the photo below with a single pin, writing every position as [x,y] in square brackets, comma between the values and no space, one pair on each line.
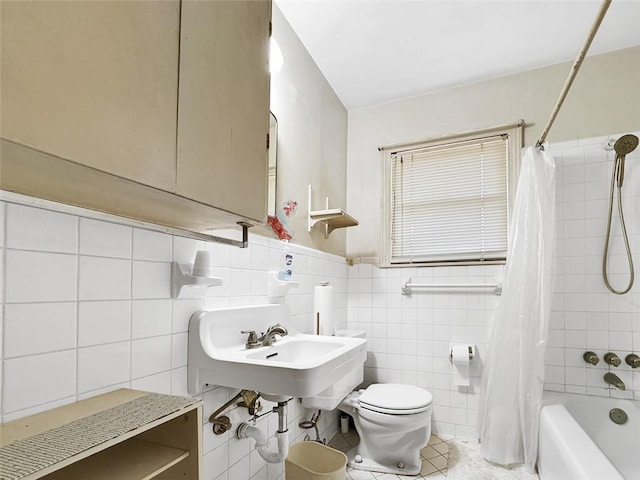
[282,437]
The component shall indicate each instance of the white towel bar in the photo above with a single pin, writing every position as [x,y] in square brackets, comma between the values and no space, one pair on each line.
[408,286]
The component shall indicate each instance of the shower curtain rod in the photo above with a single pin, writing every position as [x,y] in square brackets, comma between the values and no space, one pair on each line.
[574,71]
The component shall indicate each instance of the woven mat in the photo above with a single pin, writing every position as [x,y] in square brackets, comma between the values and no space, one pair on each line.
[32,454]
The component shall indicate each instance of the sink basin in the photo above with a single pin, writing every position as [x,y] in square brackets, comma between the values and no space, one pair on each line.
[298,349]
[297,364]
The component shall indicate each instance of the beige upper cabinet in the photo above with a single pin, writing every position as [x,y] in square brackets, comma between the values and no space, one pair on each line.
[95,83]
[151,110]
[223,105]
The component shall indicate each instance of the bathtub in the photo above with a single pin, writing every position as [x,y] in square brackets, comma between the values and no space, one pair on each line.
[579,441]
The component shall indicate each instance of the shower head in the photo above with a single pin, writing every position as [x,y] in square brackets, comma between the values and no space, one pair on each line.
[625,144]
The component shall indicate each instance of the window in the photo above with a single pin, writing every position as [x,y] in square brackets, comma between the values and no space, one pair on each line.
[447,200]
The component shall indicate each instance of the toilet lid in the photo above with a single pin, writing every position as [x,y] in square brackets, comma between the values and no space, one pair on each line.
[395,398]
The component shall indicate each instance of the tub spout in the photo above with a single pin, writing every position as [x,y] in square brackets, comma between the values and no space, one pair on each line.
[612,379]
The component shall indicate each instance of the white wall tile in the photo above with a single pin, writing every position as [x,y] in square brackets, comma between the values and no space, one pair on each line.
[104,278]
[216,462]
[1,278]
[239,283]
[150,318]
[179,382]
[39,277]
[104,239]
[184,249]
[151,280]
[159,383]
[221,254]
[38,379]
[150,356]
[182,312]
[33,328]
[2,222]
[103,322]
[148,245]
[103,365]
[592,317]
[31,228]
[240,258]
[179,350]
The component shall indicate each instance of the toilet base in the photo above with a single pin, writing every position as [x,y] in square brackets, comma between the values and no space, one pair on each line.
[370,465]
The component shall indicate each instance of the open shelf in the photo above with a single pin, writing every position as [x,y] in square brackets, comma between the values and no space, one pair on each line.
[133,459]
[120,435]
[331,217]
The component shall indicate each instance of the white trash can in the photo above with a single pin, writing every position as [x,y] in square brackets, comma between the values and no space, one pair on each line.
[314,461]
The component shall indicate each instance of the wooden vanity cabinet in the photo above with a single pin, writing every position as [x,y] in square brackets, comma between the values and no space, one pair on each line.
[152,110]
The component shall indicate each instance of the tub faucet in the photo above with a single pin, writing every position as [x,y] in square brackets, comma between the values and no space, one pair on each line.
[612,359]
[269,336]
[613,379]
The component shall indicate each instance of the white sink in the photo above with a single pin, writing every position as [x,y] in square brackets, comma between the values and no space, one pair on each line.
[297,364]
[296,349]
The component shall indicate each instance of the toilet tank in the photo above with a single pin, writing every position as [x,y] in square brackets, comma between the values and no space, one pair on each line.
[331,397]
[351,333]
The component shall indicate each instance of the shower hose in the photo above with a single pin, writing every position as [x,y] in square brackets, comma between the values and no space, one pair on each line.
[618,165]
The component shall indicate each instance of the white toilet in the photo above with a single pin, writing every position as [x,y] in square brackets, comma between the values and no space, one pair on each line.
[393,421]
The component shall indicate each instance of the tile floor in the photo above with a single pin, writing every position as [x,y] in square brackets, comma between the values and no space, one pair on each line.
[467,463]
[434,459]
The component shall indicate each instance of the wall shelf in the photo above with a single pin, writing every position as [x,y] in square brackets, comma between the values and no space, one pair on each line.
[332,218]
[186,285]
[279,288]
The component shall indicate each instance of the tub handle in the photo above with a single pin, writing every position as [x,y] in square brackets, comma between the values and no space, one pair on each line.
[632,360]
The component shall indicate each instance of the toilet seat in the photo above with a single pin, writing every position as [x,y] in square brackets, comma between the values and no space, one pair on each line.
[395,399]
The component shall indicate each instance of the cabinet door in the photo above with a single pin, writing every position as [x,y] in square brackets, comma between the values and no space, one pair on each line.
[223,113]
[95,83]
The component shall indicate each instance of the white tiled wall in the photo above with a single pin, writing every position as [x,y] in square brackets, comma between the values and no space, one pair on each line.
[86,308]
[586,316]
[410,335]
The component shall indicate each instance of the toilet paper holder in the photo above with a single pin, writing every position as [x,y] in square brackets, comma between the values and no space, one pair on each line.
[469,347]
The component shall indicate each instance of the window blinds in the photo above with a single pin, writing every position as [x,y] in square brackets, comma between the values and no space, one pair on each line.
[449,202]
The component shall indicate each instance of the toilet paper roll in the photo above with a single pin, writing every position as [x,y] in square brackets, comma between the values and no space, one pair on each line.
[323,310]
[460,359]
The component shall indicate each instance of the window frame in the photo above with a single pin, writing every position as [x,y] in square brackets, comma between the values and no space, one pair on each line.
[515,134]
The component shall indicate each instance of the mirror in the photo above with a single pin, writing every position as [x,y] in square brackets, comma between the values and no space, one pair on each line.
[272,171]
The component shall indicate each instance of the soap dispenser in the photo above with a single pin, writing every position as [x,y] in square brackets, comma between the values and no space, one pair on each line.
[286,270]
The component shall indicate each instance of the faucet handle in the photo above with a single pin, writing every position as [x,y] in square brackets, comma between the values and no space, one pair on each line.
[252,340]
[612,359]
[632,360]
[277,326]
[590,357]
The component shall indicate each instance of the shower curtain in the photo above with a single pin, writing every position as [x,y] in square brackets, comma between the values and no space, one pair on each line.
[513,376]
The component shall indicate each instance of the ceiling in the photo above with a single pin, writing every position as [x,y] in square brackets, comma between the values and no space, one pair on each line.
[375,51]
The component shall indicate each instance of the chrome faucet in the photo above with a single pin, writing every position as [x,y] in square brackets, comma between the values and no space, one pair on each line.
[267,338]
[614,380]
[612,359]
